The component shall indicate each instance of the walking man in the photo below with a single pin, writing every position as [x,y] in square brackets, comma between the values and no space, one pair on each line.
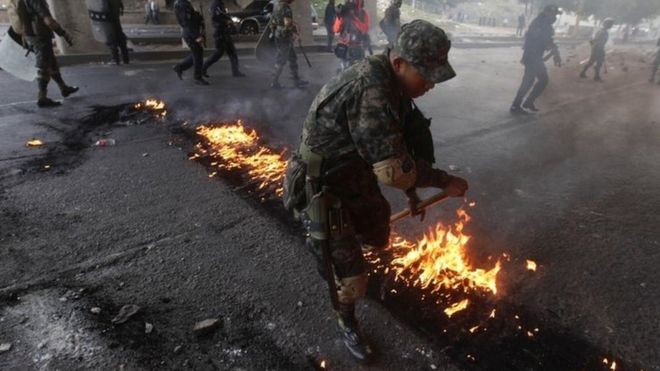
[597,57]
[538,40]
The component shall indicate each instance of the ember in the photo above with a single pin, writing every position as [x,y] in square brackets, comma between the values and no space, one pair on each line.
[34,143]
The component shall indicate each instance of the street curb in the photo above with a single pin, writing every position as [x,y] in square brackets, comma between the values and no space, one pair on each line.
[162,55]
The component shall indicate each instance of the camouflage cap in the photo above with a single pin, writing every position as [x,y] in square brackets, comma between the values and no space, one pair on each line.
[426,47]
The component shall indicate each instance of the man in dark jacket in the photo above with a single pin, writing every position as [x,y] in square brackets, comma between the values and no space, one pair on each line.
[118,43]
[223,40]
[656,65]
[538,39]
[329,21]
[192,32]
[597,57]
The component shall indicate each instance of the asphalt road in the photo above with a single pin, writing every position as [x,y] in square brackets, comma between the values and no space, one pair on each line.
[574,188]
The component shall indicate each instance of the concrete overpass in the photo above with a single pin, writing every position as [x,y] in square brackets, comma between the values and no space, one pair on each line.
[73,16]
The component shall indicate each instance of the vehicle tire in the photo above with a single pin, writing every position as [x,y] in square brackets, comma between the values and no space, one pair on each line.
[250,28]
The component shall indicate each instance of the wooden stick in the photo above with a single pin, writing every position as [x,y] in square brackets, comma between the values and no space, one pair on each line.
[431,201]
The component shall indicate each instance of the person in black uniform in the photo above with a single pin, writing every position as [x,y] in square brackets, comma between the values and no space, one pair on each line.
[118,44]
[538,39]
[656,65]
[39,32]
[192,32]
[223,41]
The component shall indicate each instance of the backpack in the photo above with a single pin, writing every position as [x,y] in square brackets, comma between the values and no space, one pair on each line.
[18,16]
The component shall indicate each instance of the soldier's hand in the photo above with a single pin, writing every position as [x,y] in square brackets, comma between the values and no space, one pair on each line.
[456,186]
[200,40]
[413,202]
[68,39]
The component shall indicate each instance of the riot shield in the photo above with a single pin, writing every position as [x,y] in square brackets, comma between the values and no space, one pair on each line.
[103,28]
[15,59]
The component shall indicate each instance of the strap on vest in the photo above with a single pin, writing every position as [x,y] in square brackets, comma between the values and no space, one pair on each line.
[313,160]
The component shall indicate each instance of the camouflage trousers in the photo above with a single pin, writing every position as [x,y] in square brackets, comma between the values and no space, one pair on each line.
[285,54]
[358,220]
[47,66]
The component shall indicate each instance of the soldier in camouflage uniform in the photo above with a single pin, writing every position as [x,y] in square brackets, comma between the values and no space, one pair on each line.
[39,32]
[598,50]
[284,32]
[355,135]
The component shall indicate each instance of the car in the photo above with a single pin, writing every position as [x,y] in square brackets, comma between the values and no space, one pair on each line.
[254,18]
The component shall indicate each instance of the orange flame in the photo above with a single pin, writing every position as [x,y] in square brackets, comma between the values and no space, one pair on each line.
[531,265]
[34,143]
[154,105]
[439,260]
[232,146]
[456,307]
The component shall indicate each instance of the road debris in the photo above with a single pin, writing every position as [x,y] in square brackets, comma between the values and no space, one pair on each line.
[125,313]
[95,310]
[105,142]
[148,328]
[5,347]
[206,326]
[34,143]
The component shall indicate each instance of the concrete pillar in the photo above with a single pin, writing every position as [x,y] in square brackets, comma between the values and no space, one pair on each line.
[73,17]
[302,16]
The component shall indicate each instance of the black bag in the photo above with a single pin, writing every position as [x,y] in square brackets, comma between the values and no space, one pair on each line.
[341,51]
[294,197]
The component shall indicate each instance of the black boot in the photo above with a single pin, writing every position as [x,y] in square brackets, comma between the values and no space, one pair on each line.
[530,106]
[298,83]
[43,101]
[238,73]
[65,89]
[179,72]
[517,110]
[201,81]
[351,334]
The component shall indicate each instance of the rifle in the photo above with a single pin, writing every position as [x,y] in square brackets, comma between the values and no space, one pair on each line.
[302,50]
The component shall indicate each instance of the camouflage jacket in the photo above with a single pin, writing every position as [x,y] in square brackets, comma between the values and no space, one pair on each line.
[363,113]
[37,10]
[280,30]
